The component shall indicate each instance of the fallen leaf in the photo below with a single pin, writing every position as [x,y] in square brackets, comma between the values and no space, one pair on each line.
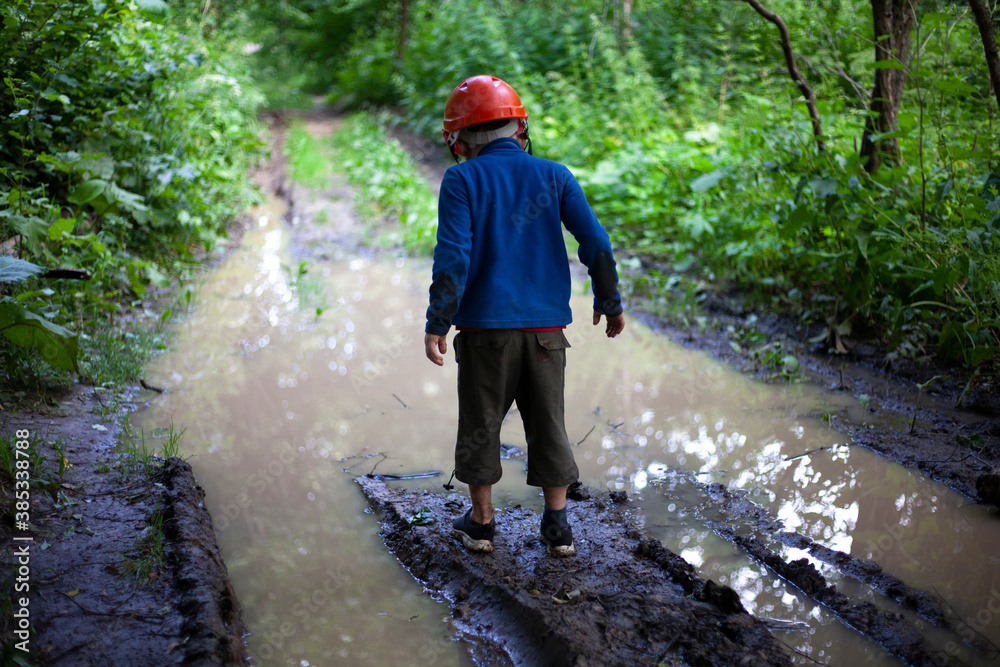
[100,427]
[421,518]
[575,593]
[558,601]
[535,592]
[73,592]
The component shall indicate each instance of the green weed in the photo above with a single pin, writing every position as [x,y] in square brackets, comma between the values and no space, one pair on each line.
[308,161]
[390,186]
[146,559]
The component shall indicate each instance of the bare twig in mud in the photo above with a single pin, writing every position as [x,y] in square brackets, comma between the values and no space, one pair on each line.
[146,385]
[804,655]
[405,406]
[586,436]
[384,457]
[615,427]
[413,475]
[666,650]
[996,649]
[951,458]
[359,455]
[53,659]
[811,451]
[120,614]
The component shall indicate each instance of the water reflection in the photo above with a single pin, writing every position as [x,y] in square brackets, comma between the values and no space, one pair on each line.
[274,396]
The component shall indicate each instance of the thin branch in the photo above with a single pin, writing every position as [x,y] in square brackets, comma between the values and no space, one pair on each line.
[863,94]
[793,69]
[811,451]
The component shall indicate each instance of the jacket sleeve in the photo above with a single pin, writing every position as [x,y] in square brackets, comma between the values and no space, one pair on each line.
[451,254]
[595,245]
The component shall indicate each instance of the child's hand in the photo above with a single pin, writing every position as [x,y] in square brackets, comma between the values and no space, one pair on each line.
[435,347]
[615,324]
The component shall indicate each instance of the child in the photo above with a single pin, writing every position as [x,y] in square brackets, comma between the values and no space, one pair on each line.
[501,276]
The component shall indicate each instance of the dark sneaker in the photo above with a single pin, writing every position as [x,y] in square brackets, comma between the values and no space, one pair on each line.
[475,536]
[558,537]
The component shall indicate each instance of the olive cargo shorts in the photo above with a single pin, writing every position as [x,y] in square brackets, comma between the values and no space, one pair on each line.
[497,367]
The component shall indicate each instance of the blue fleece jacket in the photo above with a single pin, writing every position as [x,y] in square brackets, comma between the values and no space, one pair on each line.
[500,260]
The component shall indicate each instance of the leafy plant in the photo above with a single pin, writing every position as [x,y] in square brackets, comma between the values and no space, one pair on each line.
[127,141]
[390,186]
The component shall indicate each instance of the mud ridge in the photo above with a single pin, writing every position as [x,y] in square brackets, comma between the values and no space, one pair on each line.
[212,626]
[737,505]
[628,600]
[889,629]
[91,602]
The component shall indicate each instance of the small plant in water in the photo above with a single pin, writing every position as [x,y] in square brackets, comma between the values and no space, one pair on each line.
[864,400]
[916,403]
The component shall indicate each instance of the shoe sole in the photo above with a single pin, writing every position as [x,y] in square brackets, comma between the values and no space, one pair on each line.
[560,550]
[481,546]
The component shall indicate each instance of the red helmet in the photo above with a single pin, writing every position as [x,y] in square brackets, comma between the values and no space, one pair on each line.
[480,99]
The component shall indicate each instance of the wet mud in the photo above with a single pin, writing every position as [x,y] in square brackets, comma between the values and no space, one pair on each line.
[737,507]
[621,600]
[886,628]
[89,603]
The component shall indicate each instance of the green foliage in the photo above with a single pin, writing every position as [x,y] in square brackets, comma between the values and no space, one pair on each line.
[390,186]
[127,138]
[307,161]
[55,344]
[695,150]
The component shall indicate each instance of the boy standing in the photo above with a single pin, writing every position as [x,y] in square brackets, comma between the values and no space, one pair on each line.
[501,276]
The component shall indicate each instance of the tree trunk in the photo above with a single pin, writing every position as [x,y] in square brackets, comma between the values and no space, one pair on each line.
[893,21]
[403,22]
[626,23]
[985,23]
[793,69]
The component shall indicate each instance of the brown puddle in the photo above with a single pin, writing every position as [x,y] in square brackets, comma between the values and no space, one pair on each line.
[273,397]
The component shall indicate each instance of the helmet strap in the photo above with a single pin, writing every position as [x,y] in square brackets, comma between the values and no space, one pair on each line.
[453,153]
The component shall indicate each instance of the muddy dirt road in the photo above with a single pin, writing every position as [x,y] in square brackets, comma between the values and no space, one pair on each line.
[279,401]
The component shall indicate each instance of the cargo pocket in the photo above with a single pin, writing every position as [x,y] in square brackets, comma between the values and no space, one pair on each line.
[552,340]
[552,347]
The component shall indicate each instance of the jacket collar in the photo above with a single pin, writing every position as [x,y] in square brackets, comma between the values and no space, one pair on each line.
[502,145]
